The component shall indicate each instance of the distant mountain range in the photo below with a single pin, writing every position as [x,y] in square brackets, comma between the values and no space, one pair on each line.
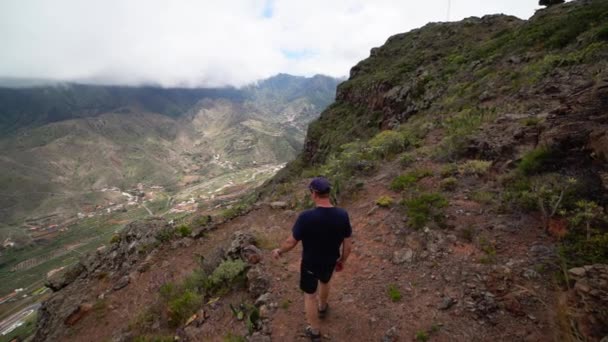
[60,141]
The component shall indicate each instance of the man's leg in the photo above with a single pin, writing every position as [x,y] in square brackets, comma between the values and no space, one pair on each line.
[323,295]
[310,304]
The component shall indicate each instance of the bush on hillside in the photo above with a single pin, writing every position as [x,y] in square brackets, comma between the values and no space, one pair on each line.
[405,180]
[424,208]
[384,201]
[388,143]
[475,167]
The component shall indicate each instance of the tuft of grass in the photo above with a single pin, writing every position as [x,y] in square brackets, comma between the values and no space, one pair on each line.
[115,239]
[285,303]
[483,197]
[448,184]
[448,170]
[531,121]
[393,293]
[405,180]
[234,338]
[184,230]
[406,159]
[421,336]
[384,201]
[490,251]
[475,167]
[424,208]
[468,234]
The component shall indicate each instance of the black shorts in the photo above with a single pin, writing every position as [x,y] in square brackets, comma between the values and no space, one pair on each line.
[310,275]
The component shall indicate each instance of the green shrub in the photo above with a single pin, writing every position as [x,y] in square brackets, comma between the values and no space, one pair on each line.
[602,34]
[490,251]
[165,234]
[531,121]
[585,214]
[458,130]
[393,293]
[184,230]
[535,161]
[226,274]
[115,238]
[448,170]
[234,338]
[388,143]
[384,201]
[448,184]
[183,306]
[422,336]
[403,181]
[483,197]
[203,220]
[406,159]
[577,250]
[425,207]
[475,167]
[234,211]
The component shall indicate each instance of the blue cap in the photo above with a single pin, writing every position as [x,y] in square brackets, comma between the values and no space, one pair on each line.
[320,185]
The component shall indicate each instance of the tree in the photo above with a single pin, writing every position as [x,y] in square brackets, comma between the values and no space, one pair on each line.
[550,2]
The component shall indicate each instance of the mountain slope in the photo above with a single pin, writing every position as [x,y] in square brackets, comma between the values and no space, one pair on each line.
[472,159]
[71,139]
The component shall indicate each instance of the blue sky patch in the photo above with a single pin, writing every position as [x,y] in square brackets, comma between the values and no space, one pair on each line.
[268,9]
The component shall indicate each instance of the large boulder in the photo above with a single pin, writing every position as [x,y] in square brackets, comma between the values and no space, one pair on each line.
[59,280]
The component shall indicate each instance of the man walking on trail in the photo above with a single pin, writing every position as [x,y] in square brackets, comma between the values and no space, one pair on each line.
[322,231]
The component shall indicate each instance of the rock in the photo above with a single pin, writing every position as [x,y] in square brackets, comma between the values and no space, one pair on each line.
[78,314]
[582,286]
[530,274]
[577,272]
[258,337]
[263,299]
[60,280]
[447,303]
[390,335]
[402,256]
[279,205]
[251,254]
[258,282]
[121,283]
[239,242]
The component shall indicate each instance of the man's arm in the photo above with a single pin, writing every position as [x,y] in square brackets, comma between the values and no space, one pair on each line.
[287,245]
[346,248]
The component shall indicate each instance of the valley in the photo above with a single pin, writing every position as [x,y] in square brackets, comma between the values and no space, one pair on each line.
[70,185]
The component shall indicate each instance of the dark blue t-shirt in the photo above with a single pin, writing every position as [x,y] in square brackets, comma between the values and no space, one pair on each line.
[322,231]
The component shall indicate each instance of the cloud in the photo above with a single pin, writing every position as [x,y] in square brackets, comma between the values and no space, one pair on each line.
[209,43]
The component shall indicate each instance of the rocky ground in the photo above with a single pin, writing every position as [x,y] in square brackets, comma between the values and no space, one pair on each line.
[494,282]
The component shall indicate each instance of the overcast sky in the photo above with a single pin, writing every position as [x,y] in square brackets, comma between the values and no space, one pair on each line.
[210,43]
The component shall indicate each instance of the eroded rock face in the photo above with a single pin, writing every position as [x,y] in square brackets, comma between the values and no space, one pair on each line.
[591,290]
[71,299]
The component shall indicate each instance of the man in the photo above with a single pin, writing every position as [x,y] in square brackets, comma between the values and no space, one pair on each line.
[322,231]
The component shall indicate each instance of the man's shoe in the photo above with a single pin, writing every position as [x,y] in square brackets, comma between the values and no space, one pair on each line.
[323,313]
[313,337]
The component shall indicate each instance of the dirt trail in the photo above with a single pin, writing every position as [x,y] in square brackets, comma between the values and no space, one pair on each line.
[361,309]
